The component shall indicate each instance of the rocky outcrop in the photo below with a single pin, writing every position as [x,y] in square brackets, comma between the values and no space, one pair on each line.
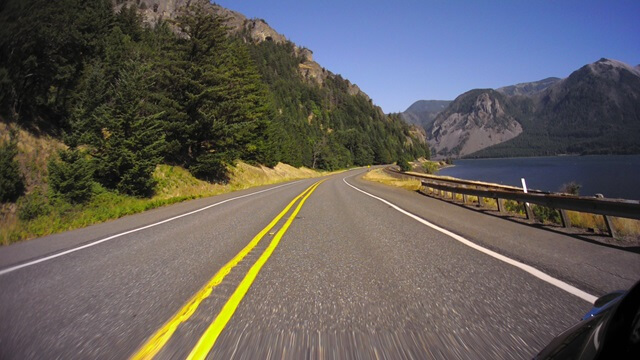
[258,31]
[595,110]
[474,121]
[418,133]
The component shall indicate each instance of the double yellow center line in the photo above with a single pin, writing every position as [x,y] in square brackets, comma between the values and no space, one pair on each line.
[208,339]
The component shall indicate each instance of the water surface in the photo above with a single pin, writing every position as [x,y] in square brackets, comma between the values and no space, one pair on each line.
[615,176]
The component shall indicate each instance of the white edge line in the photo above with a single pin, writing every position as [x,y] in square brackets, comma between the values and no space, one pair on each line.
[46,258]
[530,269]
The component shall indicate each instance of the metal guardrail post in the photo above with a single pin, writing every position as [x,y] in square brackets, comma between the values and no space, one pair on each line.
[439,187]
[607,220]
[529,212]
[566,222]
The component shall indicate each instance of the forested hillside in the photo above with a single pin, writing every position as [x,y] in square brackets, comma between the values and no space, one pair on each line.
[596,110]
[593,111]
[125,97]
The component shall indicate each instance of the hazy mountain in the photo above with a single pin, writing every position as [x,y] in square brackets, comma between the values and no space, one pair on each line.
[530,88]
[423,112]
[594,110]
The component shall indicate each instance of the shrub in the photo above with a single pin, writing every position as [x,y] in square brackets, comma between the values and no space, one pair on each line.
[33,205]
[138,181]
[546,214]
[209,167]
[430,167]
[514,206]
[71,176]
[404,164]
[11,180]
[572,188]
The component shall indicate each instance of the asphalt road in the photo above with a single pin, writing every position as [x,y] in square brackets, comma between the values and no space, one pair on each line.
[348,276]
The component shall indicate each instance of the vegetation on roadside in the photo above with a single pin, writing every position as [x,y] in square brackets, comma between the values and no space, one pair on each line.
[44,212]
[11,180]
[625,228]
[109,116]
[379,176]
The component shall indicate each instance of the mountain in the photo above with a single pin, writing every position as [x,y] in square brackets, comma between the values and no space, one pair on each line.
[530,88]
[255,30]
[423,112]
[131,84]
[473,121]
[596,110]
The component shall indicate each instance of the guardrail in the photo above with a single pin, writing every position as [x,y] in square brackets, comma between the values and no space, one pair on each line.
[599,205]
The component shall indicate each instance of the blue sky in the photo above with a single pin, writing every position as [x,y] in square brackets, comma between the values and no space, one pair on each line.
[402,51]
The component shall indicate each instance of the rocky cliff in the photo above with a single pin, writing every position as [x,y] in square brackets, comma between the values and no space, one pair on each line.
[257,29]
[594,110]
[475,120]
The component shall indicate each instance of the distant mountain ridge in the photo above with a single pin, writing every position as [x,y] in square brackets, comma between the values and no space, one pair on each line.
[423,112]
[594,110]
[529,88]
[475,120]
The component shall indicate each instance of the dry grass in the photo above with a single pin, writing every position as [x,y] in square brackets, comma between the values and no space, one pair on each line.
[174,181]
[244,175]
[623,227]
[175,184]
[377,175]
[33,153]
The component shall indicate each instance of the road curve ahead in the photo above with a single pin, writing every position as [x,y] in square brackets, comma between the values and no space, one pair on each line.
[326,268]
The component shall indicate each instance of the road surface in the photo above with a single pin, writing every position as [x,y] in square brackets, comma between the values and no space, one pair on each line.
[337,267]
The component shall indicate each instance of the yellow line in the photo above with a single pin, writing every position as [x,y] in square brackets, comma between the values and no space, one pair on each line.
[208,339]
[160,337]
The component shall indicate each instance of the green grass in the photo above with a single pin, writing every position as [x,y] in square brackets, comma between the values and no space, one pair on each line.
[174,185]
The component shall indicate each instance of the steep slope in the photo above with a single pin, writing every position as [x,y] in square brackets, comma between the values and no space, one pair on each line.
[473,121]
[423,112]
[254,30]
[594,110]
[529,88]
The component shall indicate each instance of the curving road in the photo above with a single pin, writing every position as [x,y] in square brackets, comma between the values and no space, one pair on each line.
[343,268]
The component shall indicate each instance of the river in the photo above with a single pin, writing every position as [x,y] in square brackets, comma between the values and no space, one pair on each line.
[615,176]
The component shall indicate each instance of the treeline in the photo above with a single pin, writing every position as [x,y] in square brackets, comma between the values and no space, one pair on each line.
[125,97]
[324,126]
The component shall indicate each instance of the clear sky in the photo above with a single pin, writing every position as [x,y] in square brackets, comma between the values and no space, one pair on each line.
[402,51]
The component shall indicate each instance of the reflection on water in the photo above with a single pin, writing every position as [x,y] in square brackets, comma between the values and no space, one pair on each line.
[615,176]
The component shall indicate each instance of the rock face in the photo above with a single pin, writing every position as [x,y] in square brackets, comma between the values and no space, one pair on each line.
[258,30]
[474,121]
[593,111]
[155,10]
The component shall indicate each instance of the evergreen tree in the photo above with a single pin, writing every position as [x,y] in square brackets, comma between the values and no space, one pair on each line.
[122,122]
[71,177]
[221,103]
[44,45]
[11,180]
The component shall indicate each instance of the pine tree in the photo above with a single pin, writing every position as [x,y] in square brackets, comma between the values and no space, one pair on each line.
[122,123]
[11,180]
[223,104]
[71,177]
